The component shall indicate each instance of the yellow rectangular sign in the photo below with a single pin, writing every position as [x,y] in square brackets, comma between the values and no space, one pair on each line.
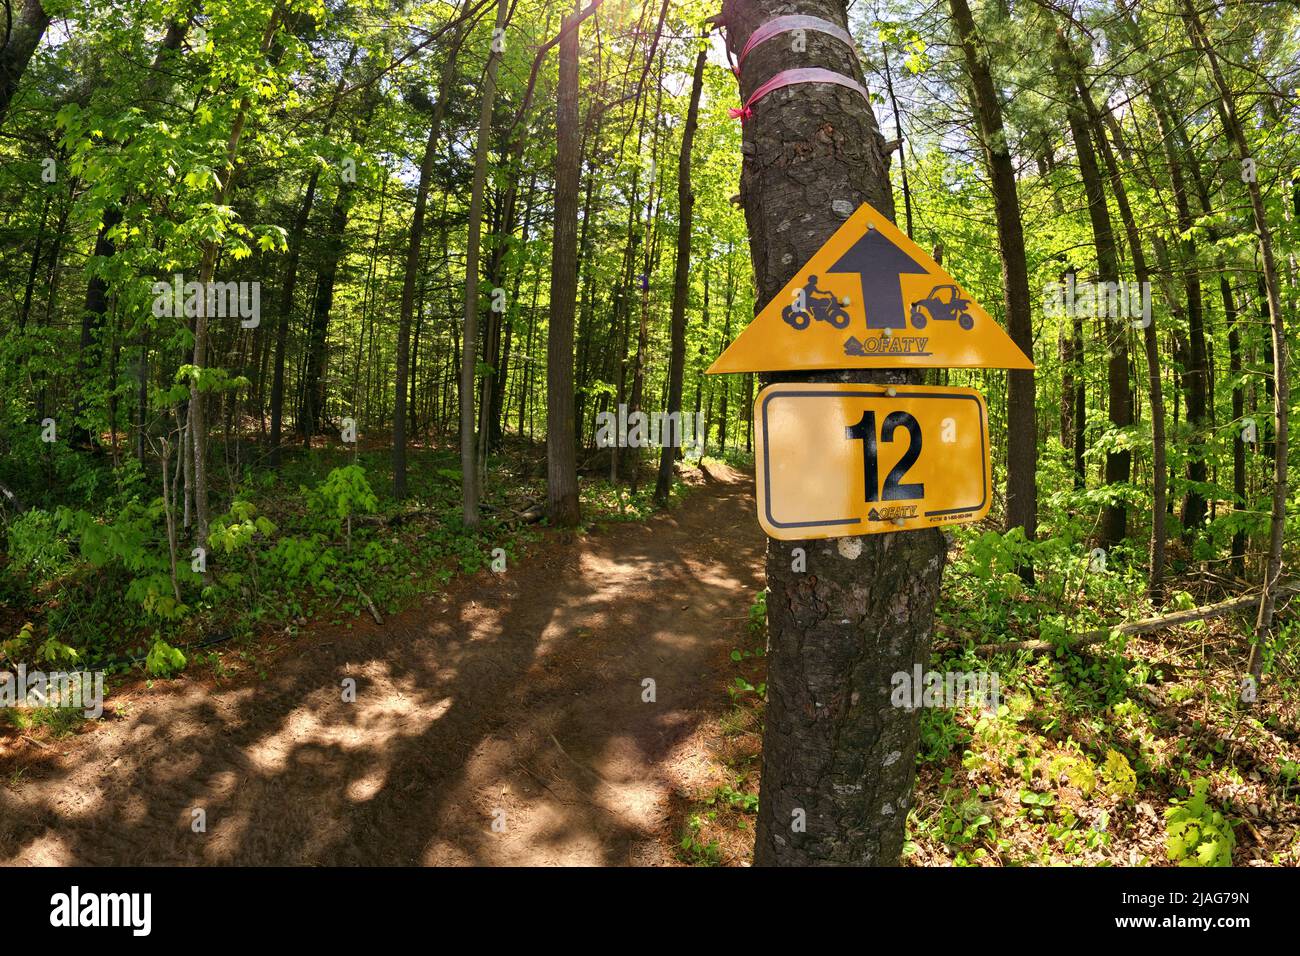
[843,459]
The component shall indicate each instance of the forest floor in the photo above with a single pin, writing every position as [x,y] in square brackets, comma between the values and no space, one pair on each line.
[501,723]
[504,719]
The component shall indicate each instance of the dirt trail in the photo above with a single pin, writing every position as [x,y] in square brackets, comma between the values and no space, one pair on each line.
[516,697]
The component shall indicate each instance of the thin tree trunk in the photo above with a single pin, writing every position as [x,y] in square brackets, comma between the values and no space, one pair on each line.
[413,263]
[290,283]
[1194,376]
[468,459]
[1119,398]
[1155,393]
[1281,385]
[681,282]
[561,451]
[1238,563]
[1022,427]
[313,385]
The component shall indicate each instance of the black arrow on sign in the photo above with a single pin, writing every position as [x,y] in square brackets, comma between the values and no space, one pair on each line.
[878,263]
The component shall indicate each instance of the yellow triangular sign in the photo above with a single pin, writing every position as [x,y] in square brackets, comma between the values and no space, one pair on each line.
[871,298]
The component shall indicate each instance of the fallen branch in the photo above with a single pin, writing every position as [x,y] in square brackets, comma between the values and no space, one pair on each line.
[369,603]
[393,520]
[1144,626]
[532,514]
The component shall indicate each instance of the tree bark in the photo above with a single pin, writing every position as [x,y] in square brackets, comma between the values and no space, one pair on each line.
[469,486]
[24,37]
[561,450]
[1281,384]
[681,280]
[836,755]
[1119,397]
[413,262]
[1022,426]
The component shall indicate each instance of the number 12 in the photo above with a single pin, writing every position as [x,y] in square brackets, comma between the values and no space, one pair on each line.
[865,430]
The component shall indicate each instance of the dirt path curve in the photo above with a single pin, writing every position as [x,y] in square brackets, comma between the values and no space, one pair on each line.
[517,698]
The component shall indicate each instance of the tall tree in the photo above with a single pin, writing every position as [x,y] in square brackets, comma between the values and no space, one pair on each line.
[22,36]
[1200,38]
[1099,116]
[681,277]
[1022,429]
[1195,376]
[197,429]
[561,443]
[468,459]
[412,273]
[838,760]
[1119,462]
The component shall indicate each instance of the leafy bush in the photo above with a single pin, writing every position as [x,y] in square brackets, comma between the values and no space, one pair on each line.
[36,545]
[1121,779]
[132,541]
[163,660]
[344,492]
[1196,833]
[296,559]
[236,529]
[940,735]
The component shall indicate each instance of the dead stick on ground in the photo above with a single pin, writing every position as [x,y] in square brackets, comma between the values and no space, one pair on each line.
[1144,626]
[369,603]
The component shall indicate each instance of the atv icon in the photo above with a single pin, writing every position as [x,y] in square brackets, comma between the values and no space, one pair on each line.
[944,303]
[819,305]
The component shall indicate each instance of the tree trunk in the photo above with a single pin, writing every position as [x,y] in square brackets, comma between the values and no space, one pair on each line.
[413,264]
[561,451]
[1194,377]
[681,282]
[468,459]
[1155,393]
[1119,398]
[1281,385]
[1022,435]
[287,290]
[24,36]
[313,386]
[1238,563]
[838,760]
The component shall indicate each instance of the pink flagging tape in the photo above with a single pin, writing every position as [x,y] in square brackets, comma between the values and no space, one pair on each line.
[812,74]
[790,23]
